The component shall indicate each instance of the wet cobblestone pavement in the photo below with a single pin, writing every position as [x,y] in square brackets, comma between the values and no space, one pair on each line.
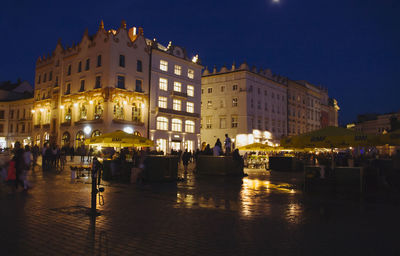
[262,214]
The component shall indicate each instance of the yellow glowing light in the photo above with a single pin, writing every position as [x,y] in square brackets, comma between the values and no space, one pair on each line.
[91,102]
[62,107]
[125,102]
[41,110]
[33,111]
[195,58]
[143,105]
[98,148]
[75,104]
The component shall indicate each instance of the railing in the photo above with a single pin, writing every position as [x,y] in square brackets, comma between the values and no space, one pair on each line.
[179,94]
[176,112]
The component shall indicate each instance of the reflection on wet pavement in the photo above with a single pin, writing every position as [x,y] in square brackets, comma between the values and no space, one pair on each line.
[263,212]
[252,196]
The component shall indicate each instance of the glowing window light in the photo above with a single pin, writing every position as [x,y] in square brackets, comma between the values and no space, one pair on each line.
[128,130]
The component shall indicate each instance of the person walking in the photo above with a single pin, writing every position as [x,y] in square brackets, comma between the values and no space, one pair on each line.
[228,144]
[72,153]
[19,164]
[27,160]
[185,160]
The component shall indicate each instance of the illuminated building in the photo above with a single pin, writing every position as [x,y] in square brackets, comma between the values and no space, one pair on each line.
[247,104]
[96,86]
[309,108]
[16,104]
[174,98]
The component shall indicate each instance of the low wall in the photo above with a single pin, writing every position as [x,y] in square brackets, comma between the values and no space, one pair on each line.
[161,168]
[218,165]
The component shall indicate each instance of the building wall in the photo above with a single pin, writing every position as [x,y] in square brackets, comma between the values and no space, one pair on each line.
[15,122]
[170,138]
[260,110]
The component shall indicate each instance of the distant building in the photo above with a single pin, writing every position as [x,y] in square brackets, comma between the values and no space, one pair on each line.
[174,98]
[249,105]
[376,123]
[16,103]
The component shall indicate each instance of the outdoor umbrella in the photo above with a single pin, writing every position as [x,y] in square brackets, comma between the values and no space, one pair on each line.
[258,147]
[119,139]
[330,137]
[392,138]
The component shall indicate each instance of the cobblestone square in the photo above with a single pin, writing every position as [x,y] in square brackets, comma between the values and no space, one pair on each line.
[261,214]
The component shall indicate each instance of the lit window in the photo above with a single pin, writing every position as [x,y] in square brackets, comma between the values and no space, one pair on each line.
[177,86]
[162,123]
[178,70]
[234,123]
[208,122]
[209,104]
[162,102]
[189,126]
[177,105]
[163,65]
[190,107]
[176,125]
[163,84]
[209,90]
[191,73]
[234,102]
[190,90]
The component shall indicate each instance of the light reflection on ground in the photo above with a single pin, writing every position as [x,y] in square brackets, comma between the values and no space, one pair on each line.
[251,196]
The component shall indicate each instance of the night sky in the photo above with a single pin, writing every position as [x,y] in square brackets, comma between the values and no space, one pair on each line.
[352,47]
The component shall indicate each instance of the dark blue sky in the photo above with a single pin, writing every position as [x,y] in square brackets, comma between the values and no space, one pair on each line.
[352,47]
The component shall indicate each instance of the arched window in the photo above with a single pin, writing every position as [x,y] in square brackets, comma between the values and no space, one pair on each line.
[68,114]
[79,138]
[176,125]
[162,123]
[136,112]
[82,111]
[137,133]
[66,138]
[118,110]
[37,140]
[46,137]
[98,109]
[189,126]
[96,133]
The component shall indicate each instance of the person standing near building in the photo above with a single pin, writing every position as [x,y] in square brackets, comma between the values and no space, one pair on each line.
[228,144]
[185,160]
[19,163]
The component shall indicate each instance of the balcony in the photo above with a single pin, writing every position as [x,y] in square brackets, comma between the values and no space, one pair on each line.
[122,121]
[179,94]
[67,123]
[85,121]
[46,126]
[179,113]
[36,126]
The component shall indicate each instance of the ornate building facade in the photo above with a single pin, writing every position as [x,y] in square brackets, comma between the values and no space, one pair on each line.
[93,87]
